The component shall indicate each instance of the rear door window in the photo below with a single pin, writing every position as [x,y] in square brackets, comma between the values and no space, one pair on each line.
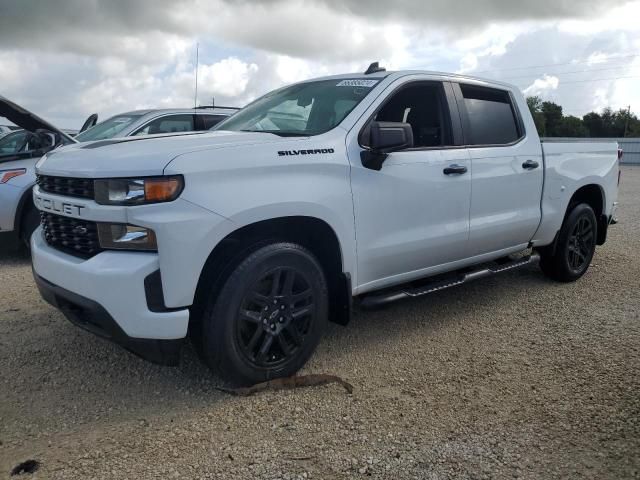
[491,116]
[209,121]
[168,124]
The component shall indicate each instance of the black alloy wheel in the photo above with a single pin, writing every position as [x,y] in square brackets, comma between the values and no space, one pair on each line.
[267,316]
[581,244]
[275,317]
[574,248]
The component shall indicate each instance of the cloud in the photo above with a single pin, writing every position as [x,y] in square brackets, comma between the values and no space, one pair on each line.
[474,12]
[342,29]
[542,85]
[228,77]
[70,58]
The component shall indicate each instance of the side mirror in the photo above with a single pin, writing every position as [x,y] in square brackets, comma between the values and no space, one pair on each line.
[387,137]
[384,138]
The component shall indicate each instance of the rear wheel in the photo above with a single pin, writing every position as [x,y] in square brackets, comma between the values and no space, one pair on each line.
[268,317]
[575,247]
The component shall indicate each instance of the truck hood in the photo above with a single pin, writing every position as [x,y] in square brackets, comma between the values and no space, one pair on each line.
[28,120]
[142,156]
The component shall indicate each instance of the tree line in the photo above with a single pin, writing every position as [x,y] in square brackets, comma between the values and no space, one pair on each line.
[551,122]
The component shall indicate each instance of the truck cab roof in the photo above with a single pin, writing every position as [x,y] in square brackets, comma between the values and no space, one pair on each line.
[394,75]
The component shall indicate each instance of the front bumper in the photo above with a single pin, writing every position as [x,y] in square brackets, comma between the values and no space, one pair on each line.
[92,316]
[106,294]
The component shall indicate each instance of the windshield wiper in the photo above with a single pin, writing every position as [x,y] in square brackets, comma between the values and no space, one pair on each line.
[280,133]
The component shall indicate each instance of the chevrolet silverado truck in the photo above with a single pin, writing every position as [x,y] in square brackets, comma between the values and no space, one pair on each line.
[356,189]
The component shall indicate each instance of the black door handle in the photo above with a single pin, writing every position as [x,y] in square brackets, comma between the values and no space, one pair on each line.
[455,169]
[530,165]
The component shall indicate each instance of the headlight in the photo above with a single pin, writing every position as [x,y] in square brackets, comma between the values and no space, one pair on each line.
[137,191]
[40,162]
[120,236]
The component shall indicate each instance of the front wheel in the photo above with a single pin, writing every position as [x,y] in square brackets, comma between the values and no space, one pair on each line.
[575,247]
[268,318]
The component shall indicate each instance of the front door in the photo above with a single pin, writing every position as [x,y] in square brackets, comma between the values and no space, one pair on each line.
[411,215]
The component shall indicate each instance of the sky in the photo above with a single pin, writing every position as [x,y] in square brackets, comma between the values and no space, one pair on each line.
[67,59]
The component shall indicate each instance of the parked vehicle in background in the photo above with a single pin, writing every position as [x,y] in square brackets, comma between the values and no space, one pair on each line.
[20,149]
[374,187]
[152,122]
[5,129]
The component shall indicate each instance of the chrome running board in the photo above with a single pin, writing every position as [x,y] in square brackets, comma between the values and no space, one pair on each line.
[439,283]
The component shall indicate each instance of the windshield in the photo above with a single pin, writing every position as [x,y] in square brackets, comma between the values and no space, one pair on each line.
[303,109]
[110,128]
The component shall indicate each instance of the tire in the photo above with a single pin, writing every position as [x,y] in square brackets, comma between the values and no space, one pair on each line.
[268,317]
[30,221]
[575,246]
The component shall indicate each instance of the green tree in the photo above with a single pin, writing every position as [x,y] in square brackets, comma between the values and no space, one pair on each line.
[571,127]
[612,124]
[552,118]
[535,107]
[550,121]
[634,127]
[594,124]
[608,127]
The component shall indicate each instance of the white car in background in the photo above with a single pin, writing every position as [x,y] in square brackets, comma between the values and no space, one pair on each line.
[152,122]
[20,150]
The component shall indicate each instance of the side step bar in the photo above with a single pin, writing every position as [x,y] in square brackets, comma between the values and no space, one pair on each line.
[430,286]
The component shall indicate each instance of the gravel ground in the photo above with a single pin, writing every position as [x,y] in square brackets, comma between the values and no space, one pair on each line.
[512,376]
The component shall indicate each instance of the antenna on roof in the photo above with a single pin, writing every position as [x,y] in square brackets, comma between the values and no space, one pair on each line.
[373,68]
[195,96]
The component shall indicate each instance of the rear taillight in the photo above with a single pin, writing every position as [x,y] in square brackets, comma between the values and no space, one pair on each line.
[620,154]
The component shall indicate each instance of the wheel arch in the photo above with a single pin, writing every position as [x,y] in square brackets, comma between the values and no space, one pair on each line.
[311,232]
[26,201]
[593,195]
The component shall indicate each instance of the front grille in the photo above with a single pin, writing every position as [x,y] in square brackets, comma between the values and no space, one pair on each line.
[67,186]
[73,236]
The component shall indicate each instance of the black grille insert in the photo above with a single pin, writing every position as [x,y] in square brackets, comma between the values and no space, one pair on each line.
[67,186]
[71,235]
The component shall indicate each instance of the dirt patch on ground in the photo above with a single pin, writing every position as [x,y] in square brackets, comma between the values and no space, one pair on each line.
[511,376]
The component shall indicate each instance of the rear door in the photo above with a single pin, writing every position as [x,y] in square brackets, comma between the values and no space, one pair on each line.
[506,170]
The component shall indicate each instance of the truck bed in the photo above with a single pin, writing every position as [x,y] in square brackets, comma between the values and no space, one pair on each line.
[568,166]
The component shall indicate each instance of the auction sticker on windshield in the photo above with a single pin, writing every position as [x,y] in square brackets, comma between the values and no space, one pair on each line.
[357,83]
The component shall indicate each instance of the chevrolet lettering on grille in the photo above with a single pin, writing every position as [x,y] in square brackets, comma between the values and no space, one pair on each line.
[56,206]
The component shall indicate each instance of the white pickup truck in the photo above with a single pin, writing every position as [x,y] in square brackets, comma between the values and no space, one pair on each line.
[368,187]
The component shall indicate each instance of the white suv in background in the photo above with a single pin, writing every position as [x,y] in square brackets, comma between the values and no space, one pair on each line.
[152,122]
